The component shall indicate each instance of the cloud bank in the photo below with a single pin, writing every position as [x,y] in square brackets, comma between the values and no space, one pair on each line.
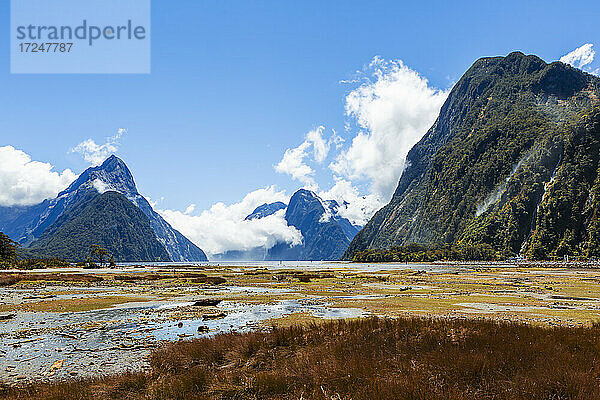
[357,208]
[392,109]
[27,182]
[95,153]
[222,227]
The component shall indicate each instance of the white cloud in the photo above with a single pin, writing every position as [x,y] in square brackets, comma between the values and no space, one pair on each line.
[293,164]
[222,227]
[95,153]
[337,140]
[293,161]
[154,203]
[101,186]
[26,182]
[190,209]
[393,109]
[320,145]
[580,57]
[357,208]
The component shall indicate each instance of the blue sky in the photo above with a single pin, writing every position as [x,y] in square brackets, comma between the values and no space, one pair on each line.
[234,84]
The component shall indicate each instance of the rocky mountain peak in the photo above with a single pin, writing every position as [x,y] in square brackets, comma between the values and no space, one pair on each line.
[112,174]
[266,209]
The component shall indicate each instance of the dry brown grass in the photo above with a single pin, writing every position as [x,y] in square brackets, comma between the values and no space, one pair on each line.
[7,279]
[192,277]
[362,359]
[141,277]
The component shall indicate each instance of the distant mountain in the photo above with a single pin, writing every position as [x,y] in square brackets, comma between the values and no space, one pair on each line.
[20,222]
[109,220]
[26,224]
[512,161]
[255,254]
[265,210]
[326,234]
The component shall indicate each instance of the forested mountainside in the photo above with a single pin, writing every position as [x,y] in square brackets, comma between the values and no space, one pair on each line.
[512,161]
[108,220]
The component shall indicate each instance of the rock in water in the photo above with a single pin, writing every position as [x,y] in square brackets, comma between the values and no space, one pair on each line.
[4,317]
[207,302]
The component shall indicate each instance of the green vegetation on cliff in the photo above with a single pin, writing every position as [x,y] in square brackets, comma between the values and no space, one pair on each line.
[511,162]
[108,220]
[421,253]
[568,218]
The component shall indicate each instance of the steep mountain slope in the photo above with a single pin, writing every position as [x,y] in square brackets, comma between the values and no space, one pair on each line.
[114,175]
[326,235]
[109,220]
[567,218]
[265,210]
[516,135]
[18,222]
[25,224]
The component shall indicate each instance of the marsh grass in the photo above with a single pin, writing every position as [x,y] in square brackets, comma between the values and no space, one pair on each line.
[192,277]
[141,277]
[405,358]
[7,279]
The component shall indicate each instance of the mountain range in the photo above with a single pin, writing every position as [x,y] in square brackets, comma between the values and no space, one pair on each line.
[102,206]
[325,234]
[512,162]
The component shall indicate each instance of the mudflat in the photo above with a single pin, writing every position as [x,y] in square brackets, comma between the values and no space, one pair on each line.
[69,323]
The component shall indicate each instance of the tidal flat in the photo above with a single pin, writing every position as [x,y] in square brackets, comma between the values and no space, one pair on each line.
[75,323]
